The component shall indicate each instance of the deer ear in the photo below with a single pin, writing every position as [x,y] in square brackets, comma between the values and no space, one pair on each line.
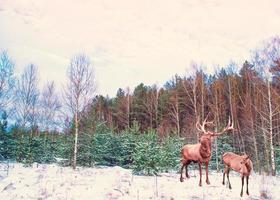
[245,159]
[247,156]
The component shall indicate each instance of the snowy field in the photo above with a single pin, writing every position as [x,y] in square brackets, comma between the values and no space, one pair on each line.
[54,182]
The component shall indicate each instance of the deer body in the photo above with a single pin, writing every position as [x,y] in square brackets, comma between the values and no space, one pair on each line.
[201,152]
[189,151]
[241,164]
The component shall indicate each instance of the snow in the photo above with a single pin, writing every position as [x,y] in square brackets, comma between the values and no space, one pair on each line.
[56,182]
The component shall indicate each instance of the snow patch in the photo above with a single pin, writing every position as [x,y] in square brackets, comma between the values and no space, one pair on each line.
[53,182]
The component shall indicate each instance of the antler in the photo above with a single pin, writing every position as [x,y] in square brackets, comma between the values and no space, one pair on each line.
[202,127]
[198,126]
[227,128]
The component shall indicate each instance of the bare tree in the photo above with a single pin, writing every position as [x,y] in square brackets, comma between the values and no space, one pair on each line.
[194,88]
[264,60]
[248,100]
[80,90]
[7,80]
[215,109]
[49,107]
[27,95]
[151,105]
[174,112]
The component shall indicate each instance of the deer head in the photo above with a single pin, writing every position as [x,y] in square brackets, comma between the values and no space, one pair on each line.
[245,159]
[244,164]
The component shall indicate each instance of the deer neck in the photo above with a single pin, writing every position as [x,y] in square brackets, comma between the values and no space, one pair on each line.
[205,148]
[248,167]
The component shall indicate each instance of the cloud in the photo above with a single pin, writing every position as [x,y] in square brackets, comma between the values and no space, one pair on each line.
[134,41]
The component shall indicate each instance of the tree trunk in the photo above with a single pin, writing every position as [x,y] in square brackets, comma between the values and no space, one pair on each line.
[216,151]
[255,146]
[266,155]
[242,147]
[76,141]
[195,107]
[177,117]
[270,131]
[216,129]
[156,109]
[202,97]
[128,109]
[231,113]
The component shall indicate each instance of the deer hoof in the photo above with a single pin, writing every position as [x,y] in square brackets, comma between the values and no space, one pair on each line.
[208,182]
[247,193]
[230,187]
[241,194]
[188,176]
[223,183]
[181,179]
[200,185]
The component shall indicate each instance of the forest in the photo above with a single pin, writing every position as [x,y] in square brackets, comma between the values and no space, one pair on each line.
[143,128]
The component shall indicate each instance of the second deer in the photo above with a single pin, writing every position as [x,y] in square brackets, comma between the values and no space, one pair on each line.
[241,164]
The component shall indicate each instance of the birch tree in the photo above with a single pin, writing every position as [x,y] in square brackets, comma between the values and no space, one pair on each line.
[80,91]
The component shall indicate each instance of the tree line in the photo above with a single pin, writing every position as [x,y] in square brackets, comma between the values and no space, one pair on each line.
[248,94]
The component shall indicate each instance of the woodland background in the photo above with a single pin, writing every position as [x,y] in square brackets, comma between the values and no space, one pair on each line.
[142,129]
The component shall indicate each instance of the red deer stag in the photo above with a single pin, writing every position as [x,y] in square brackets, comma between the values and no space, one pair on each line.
[241,164]
[200,152]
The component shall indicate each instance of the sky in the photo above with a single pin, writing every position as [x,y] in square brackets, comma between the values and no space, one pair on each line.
[130,41]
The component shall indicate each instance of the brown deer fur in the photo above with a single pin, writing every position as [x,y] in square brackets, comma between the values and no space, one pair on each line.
[200,152]
[241,164]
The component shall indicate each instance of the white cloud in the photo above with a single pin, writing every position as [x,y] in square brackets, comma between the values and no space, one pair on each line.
[133,41]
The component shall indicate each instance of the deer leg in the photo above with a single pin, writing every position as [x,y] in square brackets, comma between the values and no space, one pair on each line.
[182,168]
[206,168]
[247,182]
[200,173]
[224,174]
[229,185]
[241,194]
[187,163]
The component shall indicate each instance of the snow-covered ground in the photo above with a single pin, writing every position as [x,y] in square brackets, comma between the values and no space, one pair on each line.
[55,182]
